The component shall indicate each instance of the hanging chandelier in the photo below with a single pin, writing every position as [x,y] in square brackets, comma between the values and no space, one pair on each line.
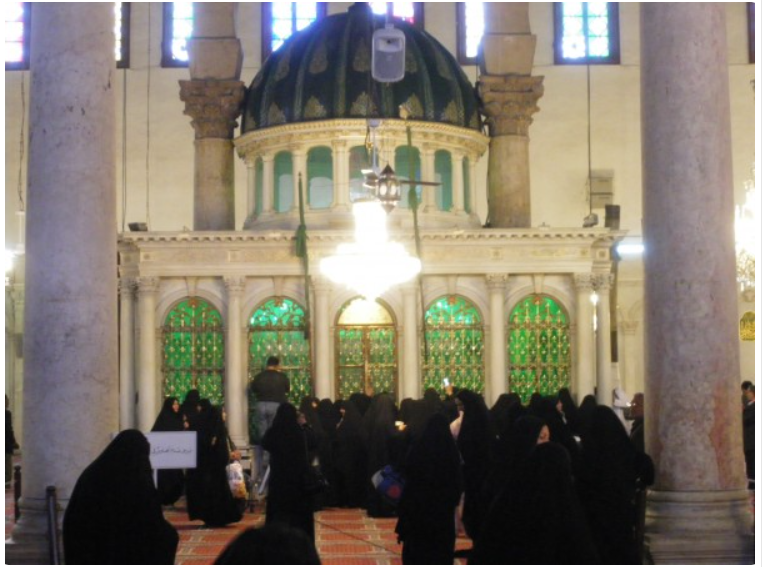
[371,264]
[747,238]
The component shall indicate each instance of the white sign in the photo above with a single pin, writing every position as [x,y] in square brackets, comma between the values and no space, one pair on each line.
[172,449]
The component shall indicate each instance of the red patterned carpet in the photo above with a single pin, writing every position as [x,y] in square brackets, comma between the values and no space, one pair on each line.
[343,537]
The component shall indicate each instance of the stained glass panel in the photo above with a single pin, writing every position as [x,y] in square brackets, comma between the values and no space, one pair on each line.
[586,32]
[277,329]
[366,343]
[194,351]
[289,17]
[455,337]
[539,347]
[182,29]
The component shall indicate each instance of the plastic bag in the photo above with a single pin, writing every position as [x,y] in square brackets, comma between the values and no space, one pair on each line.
[389,483]
[236,480]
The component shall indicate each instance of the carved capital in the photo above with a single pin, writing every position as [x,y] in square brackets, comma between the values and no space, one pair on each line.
[509,102]
[213,106]
[603,282]
[234,284]
[496,282]
[321,284]
[583,282]
[147,284]
[629,327]
[127,286]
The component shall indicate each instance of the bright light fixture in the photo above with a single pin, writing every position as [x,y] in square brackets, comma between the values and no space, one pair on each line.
[371,264]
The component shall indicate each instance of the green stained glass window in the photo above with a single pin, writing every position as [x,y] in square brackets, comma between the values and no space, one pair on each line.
[277,329]
[539,349]
[320,178]
[443,172]
[455,338]
[366,349]
[194,351]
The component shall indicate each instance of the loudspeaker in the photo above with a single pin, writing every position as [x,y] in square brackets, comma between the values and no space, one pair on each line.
[388,58]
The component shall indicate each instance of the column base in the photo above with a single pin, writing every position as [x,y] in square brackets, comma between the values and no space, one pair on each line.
[699,528]
[29,544]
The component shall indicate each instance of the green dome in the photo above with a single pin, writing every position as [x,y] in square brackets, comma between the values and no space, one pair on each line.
[324,72]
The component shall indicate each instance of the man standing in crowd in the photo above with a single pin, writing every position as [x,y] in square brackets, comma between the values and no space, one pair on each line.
[748,430]
[637,434]
[269,389]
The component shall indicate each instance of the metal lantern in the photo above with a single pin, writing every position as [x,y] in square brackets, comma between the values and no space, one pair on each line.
[388,189]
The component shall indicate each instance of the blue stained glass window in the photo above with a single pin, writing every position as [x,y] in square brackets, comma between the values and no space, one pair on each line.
[587,32]
[16,34]
[289,17]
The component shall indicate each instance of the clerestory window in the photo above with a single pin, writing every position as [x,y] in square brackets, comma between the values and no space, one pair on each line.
[586,32]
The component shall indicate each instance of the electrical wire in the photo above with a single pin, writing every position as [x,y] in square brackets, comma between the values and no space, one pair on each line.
[148,124]
[124,148]
[589,145]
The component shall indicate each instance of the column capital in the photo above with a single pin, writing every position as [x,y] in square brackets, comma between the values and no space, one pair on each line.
[234,284]
[603,282]
[213,105]
[127,286]
[496,282]
[148,284]
[321,283]
[584,282]
[509,101]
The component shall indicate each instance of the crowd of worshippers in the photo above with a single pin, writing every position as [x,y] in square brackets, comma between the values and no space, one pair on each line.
[547,482]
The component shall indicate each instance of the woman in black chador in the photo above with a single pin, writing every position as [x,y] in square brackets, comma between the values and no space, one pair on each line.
[384,443]
[209,496]
[114,516]
[350,457]
[537,519]
[610,473]
[475,443]
[426,510]
[190,408]
[276,544]
[287,501]
[170,481]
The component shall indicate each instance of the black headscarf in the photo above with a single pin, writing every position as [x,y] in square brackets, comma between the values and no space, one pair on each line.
[361,401]
[170,482]
[273,544]
[350,457]
[168,419]
[114,516]
[569,410]
[536,520]
[189,407]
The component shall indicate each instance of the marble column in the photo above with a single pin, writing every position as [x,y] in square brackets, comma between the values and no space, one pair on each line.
[604,383]
[322,352]
[584,353]
[698,510]
[235,375]
[498,381]
[427,174]
[509,97]
[213,99]
[299,167]
[251,188]
[341,175]
[148,407]
[70,320]
[458,186]
[127,353]
[268,182]
[411,386]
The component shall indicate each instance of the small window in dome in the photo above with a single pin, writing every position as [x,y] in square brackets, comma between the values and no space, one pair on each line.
[586,32]
[177,30]
[410,12]
[17,35]
[280,20]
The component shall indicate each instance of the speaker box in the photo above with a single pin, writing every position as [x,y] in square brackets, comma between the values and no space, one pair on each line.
[388,57]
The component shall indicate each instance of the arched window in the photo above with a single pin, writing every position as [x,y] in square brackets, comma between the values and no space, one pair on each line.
[193,342]
[443,174]
[366,348]
[277,328]
[359,159]
[284,182]
[320,178]
[539,349]
[402,168]
[455,339]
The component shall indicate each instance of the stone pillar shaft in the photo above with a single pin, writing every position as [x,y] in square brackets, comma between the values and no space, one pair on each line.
[341,175]
[147,404]
[70,319]
[127,354]
[458,188]
[427,174]
[497,372]
[323,382]
[411,377]
[251,189]
[604,375]
[584,354]
[268,182]
[235,387]
[299,164]
[699,510]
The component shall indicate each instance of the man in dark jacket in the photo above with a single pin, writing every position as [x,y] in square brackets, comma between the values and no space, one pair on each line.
[748,430]
[266,393]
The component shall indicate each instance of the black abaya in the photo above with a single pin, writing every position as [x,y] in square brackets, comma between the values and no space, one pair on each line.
[350,458]
[114,516]
[171,482]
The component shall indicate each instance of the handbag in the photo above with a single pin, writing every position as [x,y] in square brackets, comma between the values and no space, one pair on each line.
[314,481]
[389,483]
